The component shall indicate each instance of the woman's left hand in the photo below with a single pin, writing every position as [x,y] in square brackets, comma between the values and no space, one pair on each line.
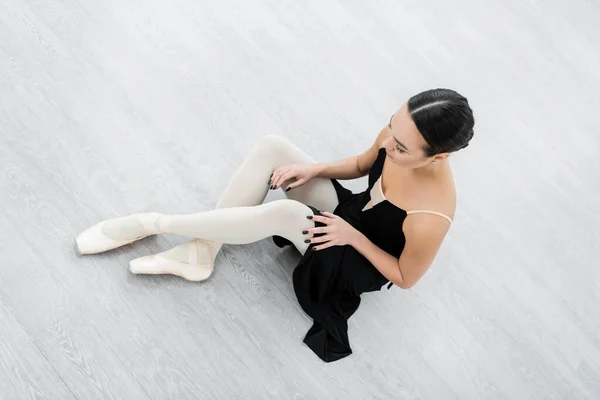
[337,232]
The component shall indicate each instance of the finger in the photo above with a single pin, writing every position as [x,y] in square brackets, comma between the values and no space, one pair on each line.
[282,178]
[321,239]
[278,172]
[272,175]
[328,214]
[276,176]
[314,231]
[275,173]
[324,246]
[324,220]
[299,182]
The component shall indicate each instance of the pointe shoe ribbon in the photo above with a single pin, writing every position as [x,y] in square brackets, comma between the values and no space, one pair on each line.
[93,240]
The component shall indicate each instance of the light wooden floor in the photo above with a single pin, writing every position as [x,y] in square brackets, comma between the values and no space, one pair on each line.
[114,107]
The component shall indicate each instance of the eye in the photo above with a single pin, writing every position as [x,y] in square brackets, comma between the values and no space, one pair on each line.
[399,150]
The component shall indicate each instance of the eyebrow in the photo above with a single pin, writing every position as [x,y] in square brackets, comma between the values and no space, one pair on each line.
[397,141]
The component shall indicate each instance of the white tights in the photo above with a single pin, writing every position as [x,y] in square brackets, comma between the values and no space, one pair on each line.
[240,216]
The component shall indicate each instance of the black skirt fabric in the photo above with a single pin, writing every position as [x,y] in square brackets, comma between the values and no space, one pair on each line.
[328,282]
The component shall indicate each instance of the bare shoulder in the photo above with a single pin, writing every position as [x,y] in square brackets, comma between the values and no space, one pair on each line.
[440,197]
[424,233]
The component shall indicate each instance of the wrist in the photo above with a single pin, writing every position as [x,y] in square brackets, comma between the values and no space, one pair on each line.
[317,169]
[358,240]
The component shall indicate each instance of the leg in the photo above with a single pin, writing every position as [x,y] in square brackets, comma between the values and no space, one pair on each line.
[271,152]
[247,187]
[234,225]
[195,259]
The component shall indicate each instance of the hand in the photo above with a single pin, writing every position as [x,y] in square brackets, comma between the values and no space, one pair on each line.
[337,232]
[302,173]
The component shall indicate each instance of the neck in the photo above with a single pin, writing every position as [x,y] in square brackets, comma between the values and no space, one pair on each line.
[430,170]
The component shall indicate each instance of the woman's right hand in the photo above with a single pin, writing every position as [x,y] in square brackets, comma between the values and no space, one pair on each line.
[299,173]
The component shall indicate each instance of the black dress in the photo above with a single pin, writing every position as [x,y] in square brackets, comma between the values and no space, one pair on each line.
[328,282]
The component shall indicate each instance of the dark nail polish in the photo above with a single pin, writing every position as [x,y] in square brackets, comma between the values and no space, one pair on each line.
[309,217]
[304,232]
[272,187]
[307,241]
[288,189]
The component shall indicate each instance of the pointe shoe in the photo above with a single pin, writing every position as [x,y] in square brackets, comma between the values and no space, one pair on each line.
[157,265]
[195,271]
[93,240]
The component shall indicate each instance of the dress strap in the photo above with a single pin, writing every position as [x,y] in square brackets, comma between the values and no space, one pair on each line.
[430,212]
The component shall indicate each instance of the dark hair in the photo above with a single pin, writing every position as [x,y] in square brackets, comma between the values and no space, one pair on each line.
[444,118]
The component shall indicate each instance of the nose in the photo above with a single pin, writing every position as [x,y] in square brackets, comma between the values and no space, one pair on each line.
[386,143]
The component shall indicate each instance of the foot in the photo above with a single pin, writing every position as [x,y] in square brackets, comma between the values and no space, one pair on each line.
[193,261]
[117,232]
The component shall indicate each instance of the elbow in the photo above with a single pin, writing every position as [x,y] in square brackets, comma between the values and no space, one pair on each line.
[409,277]
[406,285]
[360,172]
[406,282]
[402,281]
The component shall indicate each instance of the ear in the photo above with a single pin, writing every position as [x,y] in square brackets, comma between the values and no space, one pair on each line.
[441,156]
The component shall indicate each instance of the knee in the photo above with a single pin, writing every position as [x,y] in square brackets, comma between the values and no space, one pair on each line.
[291,211]
[271,144]
[290,221]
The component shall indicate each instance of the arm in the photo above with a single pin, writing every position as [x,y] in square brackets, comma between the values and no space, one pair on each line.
[352,167]
[424,235]
[382,260]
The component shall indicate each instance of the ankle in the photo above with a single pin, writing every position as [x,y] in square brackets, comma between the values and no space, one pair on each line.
[153,222]
[206,251]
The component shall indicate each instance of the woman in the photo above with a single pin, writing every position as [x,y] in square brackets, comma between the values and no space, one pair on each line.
[391,232]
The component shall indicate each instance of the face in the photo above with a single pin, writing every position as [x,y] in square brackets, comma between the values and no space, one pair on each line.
[405,144]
